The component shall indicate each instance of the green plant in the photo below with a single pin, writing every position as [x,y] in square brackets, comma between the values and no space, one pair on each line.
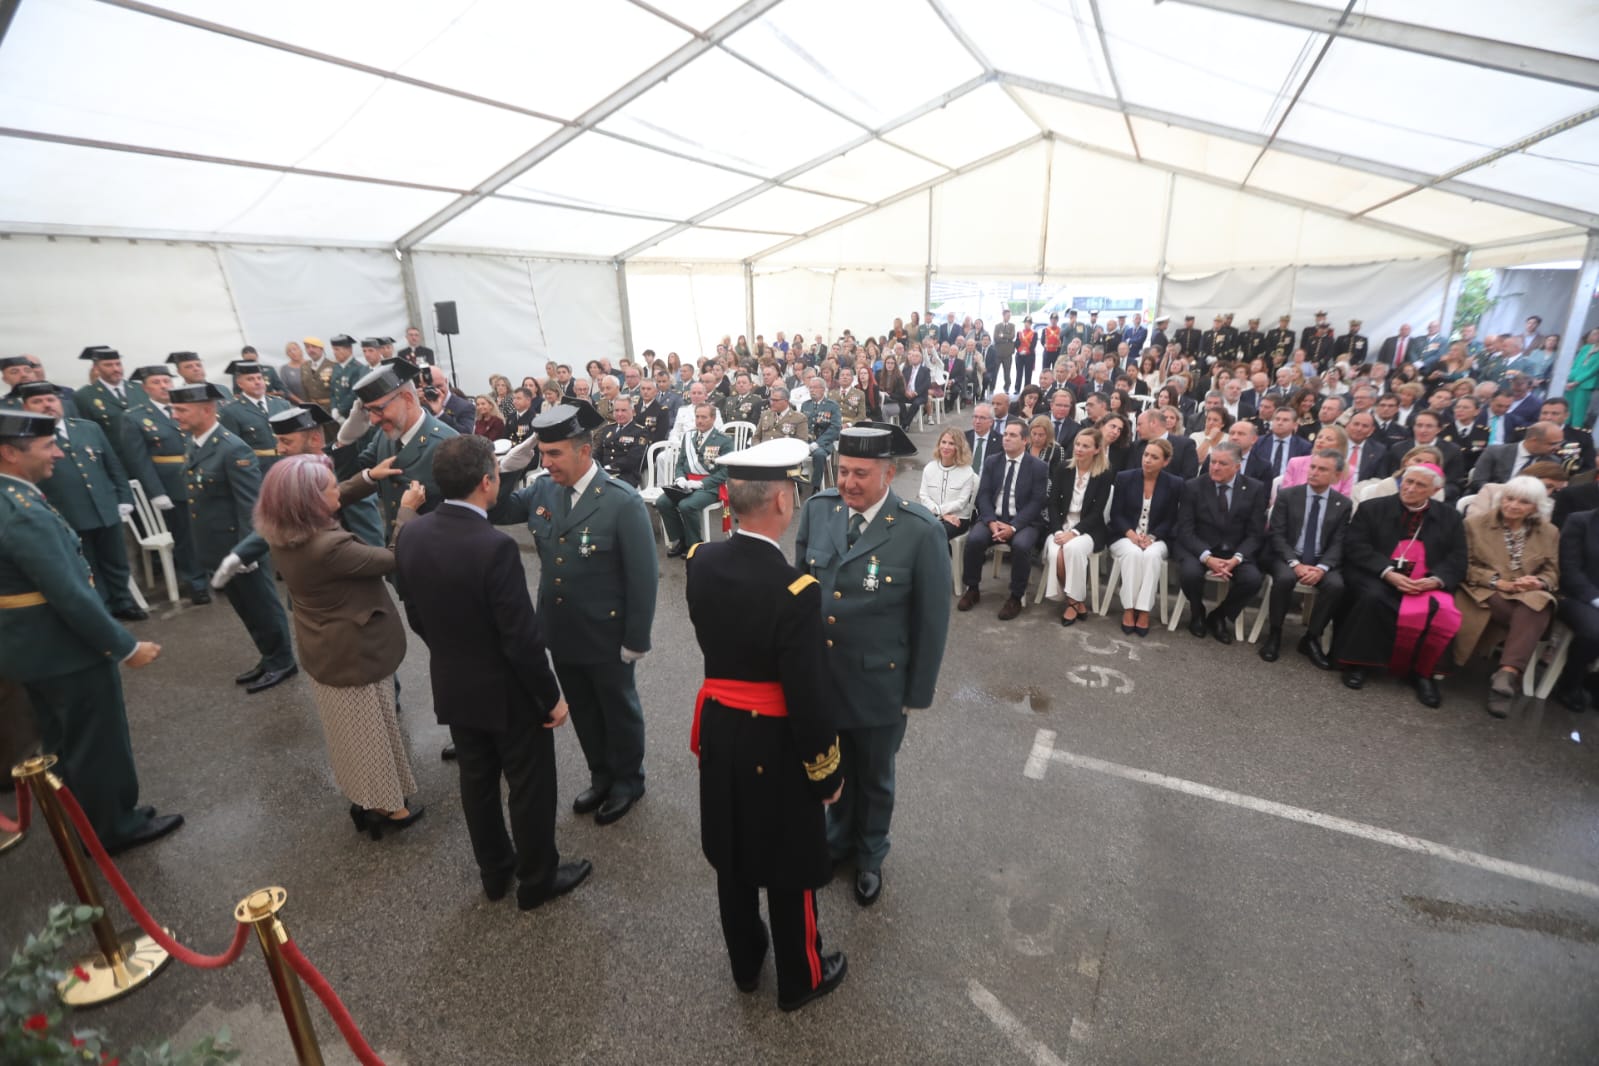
[1477,298]
[36,1028]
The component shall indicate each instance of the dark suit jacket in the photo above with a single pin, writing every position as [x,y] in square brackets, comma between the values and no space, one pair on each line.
[465,594]
[1031,487]
[949,332]
[1201,526]
[996,442]
[1255,466]
[1524,412]
[1067,433]
[1373,459]
[918,380]
[1095,496]
[1127,500]
[347,629]
[1454,464]
[1579,557]
[1266,448]
[1184,457]
[1576,450]
[1287,528]
[1414,346]
[1573,500]
[1378,527]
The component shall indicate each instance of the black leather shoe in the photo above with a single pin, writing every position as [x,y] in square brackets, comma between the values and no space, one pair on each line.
[447,753]
[1273,646]
[1310,648]
[1221,627]
[868,886]
[200,597]
[130,614]
[834,967]
[498,883]
[676,550]
[1574,698]
[589,800]
[152,830]
[1196,625]
[270,679]
[252,674]
[1427,692]
[1354,678]
[614,808]
[568,876]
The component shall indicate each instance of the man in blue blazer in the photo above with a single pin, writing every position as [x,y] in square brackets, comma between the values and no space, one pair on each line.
[1010,504]
[1282,443]
[1221,526]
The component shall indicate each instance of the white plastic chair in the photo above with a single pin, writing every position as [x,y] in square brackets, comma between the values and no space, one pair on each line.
[660,463]
[1093,583]
[957,561]
[1103,608]
[151,533]
[1182,602]
[741,432]
[1540,680]
[1308,592]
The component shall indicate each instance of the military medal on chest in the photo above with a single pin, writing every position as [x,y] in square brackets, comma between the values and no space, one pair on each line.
[870,582]
[585,546]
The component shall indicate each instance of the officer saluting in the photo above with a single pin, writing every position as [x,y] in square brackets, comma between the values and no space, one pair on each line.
[883,564]
[764,731]
[58,641]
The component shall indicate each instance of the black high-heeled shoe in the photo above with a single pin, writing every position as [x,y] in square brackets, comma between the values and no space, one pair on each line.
[358,816]
[376,823]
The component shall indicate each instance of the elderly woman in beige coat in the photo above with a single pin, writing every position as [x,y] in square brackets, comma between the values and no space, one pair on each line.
[1512,572]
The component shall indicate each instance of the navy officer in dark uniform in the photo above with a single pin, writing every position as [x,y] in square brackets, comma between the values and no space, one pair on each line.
[764,731]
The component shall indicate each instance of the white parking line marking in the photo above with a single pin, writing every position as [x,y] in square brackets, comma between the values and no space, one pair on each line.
[1044,752]
[1011,1026]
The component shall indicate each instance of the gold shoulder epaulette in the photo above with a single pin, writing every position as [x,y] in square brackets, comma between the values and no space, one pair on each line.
[692,549]
[800,584]
[824,764]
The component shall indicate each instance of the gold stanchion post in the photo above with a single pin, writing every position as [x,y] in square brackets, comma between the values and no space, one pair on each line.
[260,909]
[126,960]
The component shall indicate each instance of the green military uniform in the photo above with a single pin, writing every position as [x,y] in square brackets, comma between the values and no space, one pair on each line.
[341,385]
[224,479]
[886,600]
[620,451]
[58,641]
[105,405]
[415,457]
[89,487]
[680,507]
[654,420]
[247,419]
[316,381]
[825,422]
[746,408]
[851,404]
[153,450]
[597,586]
[791,423]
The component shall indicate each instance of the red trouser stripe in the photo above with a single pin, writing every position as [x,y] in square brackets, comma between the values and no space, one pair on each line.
[810,939]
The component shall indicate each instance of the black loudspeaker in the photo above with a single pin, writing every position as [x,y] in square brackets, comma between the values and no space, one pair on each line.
[444,312]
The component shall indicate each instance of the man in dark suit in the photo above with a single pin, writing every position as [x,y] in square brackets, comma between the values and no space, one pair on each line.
[1282,443]
[1399,349]
[1221,525]
[1307,543]
[1184,458]
[1392,431]
[949,330]
[1575,451]
[416,352]
[1010,503]
[466,596]
[1428,428]
[918,379]
[983,440]
[1060,416]
[1367,456]
[1244,434]
[1135,336]
[1501,462]
[1579,604]
[1574,499]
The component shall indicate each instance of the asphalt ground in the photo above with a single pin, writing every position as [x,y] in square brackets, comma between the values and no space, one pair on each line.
[1039,906]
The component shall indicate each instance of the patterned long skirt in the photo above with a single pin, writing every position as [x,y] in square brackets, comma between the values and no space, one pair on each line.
[370,764]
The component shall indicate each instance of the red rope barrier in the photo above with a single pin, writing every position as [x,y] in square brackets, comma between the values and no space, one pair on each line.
[24,812]
[330,999]
[114,877]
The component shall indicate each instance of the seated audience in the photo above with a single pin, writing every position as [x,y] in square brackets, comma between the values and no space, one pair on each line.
[1010,506]
[1143,517]
[1075,521]
[489,423]
[1327,437]
[949,484]
[1221,526]
[1307,528]
[1501,462]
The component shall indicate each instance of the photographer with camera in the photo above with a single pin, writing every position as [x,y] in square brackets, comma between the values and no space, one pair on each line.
[454,411]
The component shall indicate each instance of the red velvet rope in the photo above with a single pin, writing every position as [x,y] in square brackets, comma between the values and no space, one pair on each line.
[24,811]
[131,902]
[330,999]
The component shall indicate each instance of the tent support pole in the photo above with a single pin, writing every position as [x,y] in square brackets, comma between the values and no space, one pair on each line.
[1165,241]
[413,302]
[627,314]
[1581,304]
[749,299]
[927,274]
[1043,228]
[1457,268]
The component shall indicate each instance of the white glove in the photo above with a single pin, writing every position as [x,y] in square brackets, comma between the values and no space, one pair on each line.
[355,426]
[682,483]
[161,503]
[231,566]
[124,510]
[519,457]
[630,657]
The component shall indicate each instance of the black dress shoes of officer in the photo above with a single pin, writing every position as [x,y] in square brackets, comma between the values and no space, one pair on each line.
[271,678]
[834,967]
[131,614]
[252,674]
[1427,692]
[589,800]
[568,876]
[153,829]
[1221,627]
[1310,648]
[676,549]
[868,886]
[614,808]
[447,753]
[200,597]
[1273,646]
[1354,678]
[1196,624]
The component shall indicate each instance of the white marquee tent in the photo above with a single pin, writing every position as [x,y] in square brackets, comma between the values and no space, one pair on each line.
[605,176]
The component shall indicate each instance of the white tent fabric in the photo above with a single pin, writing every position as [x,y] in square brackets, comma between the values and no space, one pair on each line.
[278,292]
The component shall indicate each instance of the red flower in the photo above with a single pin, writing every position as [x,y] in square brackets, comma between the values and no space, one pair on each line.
[36,1024]
[81,974]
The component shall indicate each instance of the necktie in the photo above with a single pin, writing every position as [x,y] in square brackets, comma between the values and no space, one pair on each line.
[1277,460]
[1221,495]
[699,441]
[1004,490]
[1400,356]
[1354,461]
[857,522]
[166,410]
[977,458]
[1310,553]
[1057,428]
[1495,435]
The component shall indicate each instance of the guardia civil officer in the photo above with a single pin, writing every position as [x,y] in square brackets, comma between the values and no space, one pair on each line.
[597,581]
[883,564]
[60,643]
[108,396]
[402,450]
[247,417]
[764,731]
[224,480]
[152,447]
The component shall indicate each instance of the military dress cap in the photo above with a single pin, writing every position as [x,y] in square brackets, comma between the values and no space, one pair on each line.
[342,340]
[1162,318]
[34,388]
[205,392]
[1188,318]
[567,420]
[371,342]
[391,374]
[311,342]
[1284,318]
[386,340]
[179,358]
[1254,322]
[99,353]
[23,425]
[299,418]
[875,440]
[1321,314]
[10,361]
[242,366]
[158,370]
[779,459]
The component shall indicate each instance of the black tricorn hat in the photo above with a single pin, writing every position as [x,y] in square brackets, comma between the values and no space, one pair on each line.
[299,418]
[23,425]
[875,440]
[155,370]
[178,358]
[97,352]
[570,418]
[205,392]
[242,366]
[34,388]
[391,374]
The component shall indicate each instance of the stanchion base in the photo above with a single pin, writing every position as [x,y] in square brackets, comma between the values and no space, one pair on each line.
[142,959]
[9,842]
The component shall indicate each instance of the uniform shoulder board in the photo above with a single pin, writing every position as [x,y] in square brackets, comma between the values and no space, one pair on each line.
[692,549]
[800,584]
[824,492]
[913,508]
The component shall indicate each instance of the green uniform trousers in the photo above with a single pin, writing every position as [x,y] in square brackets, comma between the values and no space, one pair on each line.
[603,702]
[681,517]
[858,823]
[254,597]
[82,719]
[106,552]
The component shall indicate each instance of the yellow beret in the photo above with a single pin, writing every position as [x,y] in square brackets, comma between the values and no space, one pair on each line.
[316,341]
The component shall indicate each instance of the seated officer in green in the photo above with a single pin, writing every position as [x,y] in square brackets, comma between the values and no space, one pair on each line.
[597,583]
[109,395]
[152,448]
[246,417]
[698,483]
[89,486]
[826,421]
[58,641]
[406,438]
[224,480]
[884,567]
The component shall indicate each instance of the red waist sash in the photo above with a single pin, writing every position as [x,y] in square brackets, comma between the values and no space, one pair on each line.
[758,697]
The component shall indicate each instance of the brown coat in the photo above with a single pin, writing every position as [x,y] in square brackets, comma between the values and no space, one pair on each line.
[348,630]
[1486,556]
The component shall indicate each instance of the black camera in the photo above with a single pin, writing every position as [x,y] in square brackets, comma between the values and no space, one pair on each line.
[430,393]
